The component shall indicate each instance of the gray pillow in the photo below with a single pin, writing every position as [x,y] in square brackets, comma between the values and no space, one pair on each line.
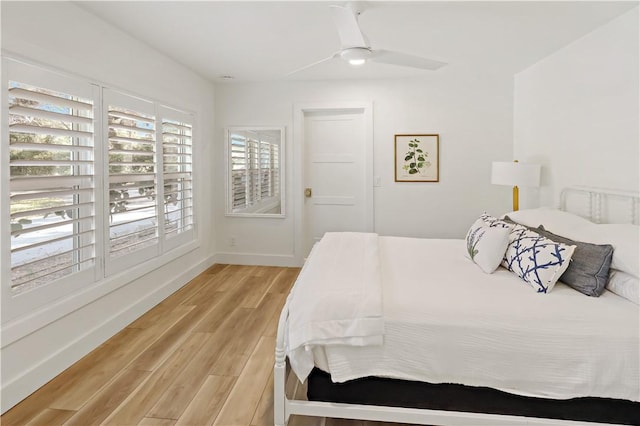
[588,270]
[513,222]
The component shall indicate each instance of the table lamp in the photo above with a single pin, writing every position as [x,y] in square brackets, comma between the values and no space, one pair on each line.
[515,174]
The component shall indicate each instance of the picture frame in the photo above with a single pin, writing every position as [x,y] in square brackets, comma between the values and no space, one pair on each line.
[417,158]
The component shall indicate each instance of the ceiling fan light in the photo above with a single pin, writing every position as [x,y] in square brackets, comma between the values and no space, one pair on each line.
[357,62]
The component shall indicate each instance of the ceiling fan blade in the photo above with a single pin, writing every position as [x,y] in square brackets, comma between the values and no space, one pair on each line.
[312,64]
[405,60]
[348,28]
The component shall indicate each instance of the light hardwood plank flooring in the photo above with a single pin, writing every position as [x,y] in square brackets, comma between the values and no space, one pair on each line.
[204,356]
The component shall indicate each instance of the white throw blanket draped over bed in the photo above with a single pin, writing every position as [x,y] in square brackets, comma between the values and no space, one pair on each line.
[337,299]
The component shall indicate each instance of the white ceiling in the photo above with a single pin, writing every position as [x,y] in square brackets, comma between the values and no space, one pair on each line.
[258,41]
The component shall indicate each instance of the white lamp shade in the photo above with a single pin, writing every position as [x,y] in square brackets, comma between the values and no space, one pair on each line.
[515,174]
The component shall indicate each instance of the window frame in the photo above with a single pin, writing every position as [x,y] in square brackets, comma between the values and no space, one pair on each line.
[258,209]
[26,312]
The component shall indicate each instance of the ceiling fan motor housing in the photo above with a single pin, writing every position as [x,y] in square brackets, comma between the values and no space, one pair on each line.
[355,53]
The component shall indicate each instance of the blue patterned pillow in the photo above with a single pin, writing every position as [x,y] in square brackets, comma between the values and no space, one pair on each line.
[536,259]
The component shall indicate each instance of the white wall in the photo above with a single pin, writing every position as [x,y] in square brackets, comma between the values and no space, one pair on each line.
[62,35]
[471,112]
[576,113]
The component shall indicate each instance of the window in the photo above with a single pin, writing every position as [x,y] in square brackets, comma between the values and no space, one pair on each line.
[239,166]
[132,169]
[254,171]
[99,182]
[269,173]
[177,175]
[51,168]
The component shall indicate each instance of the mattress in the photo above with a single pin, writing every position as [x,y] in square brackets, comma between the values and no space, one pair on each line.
[448,322]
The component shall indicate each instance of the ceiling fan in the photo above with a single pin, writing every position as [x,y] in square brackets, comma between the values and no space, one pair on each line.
[356,51]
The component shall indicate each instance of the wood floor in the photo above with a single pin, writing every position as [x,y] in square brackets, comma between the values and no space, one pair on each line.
[204,356]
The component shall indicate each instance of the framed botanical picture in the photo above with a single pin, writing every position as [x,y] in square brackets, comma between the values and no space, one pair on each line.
[417,158]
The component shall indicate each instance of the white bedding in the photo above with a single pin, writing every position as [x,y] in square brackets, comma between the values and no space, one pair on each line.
[337,299]
[446,321]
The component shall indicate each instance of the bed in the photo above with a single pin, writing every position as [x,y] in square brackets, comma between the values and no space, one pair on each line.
[415,317]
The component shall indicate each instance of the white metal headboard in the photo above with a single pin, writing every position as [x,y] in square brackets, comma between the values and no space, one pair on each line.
[602,205]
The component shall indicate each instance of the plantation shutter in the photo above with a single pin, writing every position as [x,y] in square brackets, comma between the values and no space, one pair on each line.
[253,157]
[274,170]
[65,138]
[133,179]
[51,184]
[239,165]
[265,170]
[177,175]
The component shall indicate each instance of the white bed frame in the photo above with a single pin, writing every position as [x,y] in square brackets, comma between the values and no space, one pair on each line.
[601,205]
[597,204]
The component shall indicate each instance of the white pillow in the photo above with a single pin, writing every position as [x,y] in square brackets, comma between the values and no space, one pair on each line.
[494,221]
[625,239]
[624,285]
[556,221]
[486,244]
[536,259]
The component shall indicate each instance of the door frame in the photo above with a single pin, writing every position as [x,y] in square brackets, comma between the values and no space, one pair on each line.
[299,111]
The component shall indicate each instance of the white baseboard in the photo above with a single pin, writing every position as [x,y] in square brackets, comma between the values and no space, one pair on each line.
[36,376]
[257,259]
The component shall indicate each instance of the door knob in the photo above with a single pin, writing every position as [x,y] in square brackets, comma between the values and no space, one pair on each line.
[307,192]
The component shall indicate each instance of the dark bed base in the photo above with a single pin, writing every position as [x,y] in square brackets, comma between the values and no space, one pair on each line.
[402,393]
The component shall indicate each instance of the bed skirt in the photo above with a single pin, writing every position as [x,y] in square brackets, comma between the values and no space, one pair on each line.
[452,397]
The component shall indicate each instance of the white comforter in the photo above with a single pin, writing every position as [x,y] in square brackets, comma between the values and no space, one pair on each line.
[337,299]
[448,322]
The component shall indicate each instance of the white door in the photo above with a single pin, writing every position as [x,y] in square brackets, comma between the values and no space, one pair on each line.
[335,174]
